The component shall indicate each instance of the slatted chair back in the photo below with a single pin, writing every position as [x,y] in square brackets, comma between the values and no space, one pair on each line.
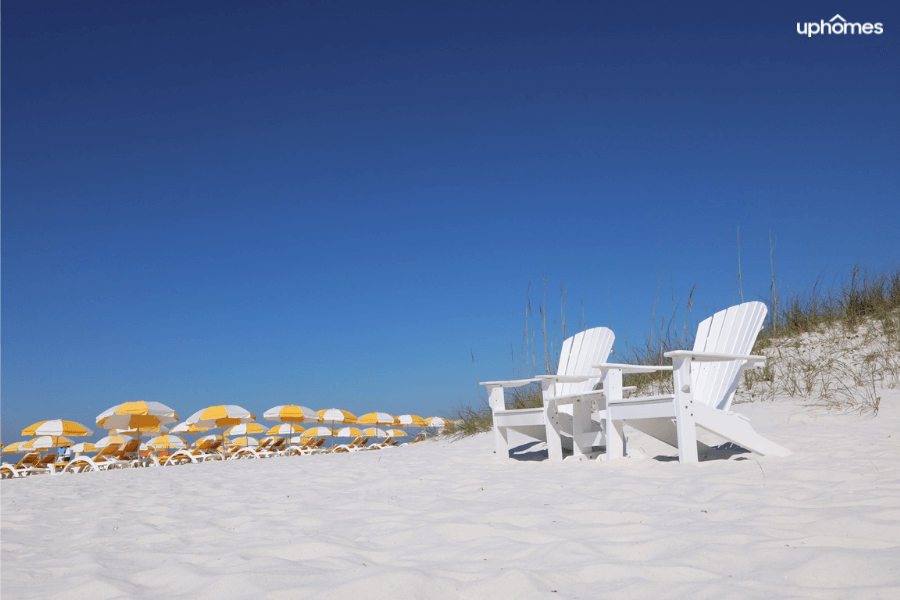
[107,451]
[29,460]
[730,331]
[130,449]
[578,355]
[47,459]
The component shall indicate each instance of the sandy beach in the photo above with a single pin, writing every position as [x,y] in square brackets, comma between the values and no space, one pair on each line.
[445,519]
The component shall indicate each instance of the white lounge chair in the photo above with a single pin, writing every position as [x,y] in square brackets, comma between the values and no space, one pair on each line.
[705,380]
[567,397]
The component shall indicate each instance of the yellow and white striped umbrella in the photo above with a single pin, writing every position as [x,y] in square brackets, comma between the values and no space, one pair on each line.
[376,432]
[336,415]
[187,428]
[57,427]
[222,415]
[160,429]
[84,447]
[113,439]
[140,416]
[14,447]
[245,428]
[285,429]
[377,418]
[348,432]
[47,441]
[396,433]
[437,422]
[245,441]
[317,432]
[291,413]
[167,442]
[411,420]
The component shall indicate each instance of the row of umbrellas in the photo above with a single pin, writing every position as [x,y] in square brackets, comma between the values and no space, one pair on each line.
[142,416]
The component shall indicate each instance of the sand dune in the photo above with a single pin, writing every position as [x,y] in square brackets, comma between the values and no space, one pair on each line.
[446,520]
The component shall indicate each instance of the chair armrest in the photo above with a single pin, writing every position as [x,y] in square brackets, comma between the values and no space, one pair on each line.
[510,383]
[632,368]
[756,360]
[567,378]
[570,398]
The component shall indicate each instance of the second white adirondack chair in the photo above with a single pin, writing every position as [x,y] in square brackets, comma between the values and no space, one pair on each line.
[705,380]
[572,388]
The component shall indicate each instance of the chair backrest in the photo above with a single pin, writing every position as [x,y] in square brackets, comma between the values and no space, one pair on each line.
[131,447]
[578,355]
[108,450]
[46,460]
[732,331]
[29,459]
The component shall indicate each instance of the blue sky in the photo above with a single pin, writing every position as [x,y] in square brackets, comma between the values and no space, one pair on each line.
[336,203]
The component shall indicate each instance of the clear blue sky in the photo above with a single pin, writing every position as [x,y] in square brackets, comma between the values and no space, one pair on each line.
[333,203]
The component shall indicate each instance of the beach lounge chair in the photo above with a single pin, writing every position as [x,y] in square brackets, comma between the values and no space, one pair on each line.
[705,380]
[108,455]
[206,450]
[387,442]
[311,446]
[354,446]
[568,396]
[27,465]
[253,451]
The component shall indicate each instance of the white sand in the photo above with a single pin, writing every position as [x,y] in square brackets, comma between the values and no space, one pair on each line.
[447,520]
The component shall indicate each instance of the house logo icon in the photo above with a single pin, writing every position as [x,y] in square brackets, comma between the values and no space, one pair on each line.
[838,25]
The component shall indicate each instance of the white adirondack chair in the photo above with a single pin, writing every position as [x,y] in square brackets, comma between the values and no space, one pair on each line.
[567,399]
[705,380]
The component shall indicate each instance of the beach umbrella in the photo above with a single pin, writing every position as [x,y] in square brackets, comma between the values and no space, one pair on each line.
[286,429]
[437,422]
[187,428]
[222,415]
[167,442]
[46,442]
[395,433]
[336,415]
[84,447]
[156,429]
[411,420]
[182,428]
[14,447]
[348,432]
[376,432]
[57,427]
[138,416]
[291,413]
[314,432]
[113,439]
[245,441]
[377,418]
[245,428]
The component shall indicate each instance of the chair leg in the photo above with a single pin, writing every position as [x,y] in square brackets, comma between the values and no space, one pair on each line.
[615,434]
[502,442]
[551,424]
[581,427]
[684,411]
